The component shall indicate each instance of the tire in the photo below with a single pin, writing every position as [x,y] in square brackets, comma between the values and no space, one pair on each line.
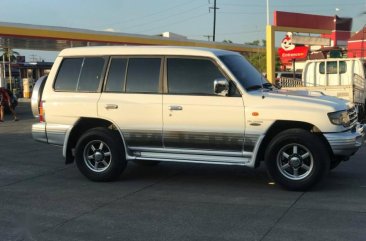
[100,155]
[297,159]
[335,163]
[146,163]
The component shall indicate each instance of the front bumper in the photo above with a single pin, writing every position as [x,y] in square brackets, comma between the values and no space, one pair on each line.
[347,143]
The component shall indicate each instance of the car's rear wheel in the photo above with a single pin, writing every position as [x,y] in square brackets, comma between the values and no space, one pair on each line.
[100,155]
[296,159]
[335,163]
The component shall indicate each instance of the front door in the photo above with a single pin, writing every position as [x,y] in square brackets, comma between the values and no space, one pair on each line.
[194,117]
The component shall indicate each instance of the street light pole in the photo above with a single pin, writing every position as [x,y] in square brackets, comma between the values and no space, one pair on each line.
[267,12]
[10,87]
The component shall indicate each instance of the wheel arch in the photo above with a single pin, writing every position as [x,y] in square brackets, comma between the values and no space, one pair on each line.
[81,126]
[280,126]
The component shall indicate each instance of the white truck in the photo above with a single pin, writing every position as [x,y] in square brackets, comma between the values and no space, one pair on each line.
[340,77]
[110,105]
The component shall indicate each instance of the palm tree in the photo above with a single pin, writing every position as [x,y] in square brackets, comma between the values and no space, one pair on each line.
[10,56]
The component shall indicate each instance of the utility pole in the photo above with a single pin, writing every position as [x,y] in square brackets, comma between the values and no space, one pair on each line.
[214,23]
[208,37]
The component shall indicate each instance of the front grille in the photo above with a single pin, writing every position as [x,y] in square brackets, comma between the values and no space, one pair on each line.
[352,113]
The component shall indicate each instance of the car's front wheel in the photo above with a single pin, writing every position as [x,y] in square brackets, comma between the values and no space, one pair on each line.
[297,159]
[100,155]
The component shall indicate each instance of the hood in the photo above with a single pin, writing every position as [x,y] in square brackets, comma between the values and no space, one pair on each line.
[303,99]
[312,94]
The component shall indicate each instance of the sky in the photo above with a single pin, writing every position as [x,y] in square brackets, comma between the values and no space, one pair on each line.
[240,21]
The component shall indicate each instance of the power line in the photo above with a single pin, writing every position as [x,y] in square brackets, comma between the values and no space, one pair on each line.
[147,15]
[165,18]
[174,23]
[292,4]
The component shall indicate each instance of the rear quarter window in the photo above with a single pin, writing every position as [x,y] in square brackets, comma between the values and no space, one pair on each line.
[68,74]
[80,74]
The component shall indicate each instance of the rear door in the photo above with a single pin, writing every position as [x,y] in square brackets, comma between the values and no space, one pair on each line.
[132,99]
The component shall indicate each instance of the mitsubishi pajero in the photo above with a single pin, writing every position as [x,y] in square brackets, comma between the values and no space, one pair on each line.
[110,105]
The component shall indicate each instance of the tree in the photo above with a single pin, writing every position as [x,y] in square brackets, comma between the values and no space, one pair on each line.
[10,56]
[8,53]
[258,59]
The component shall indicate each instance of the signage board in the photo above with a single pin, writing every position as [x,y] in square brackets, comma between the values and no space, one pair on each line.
[289,51]
[309,40]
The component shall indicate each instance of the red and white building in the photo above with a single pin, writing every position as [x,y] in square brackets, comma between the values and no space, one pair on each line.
[356,44]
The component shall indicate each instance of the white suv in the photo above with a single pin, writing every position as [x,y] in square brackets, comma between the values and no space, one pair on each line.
[109,105]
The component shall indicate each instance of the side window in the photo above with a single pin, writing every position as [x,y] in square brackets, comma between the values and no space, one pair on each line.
[91,74]
[116,75]
[332,67]
[79,74]
[191,76]
[68,74]
[342,67]
[143,75]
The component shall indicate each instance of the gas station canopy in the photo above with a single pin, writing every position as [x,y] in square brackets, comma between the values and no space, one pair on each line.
[37,37]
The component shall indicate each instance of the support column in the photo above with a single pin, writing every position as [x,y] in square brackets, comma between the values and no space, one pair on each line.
[270,53]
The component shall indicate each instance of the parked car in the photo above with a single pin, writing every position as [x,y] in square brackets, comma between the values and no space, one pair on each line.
[110,105]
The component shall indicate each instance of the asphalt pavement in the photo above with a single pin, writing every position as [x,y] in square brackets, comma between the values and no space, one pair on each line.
[43,199]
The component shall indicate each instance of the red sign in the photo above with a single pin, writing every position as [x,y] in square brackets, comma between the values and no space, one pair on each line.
[289,51]
[299,52]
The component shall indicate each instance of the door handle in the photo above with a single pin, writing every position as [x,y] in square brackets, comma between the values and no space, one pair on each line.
[175,107]
[111,106]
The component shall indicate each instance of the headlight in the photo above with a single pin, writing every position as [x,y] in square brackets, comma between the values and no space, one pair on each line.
[340,118]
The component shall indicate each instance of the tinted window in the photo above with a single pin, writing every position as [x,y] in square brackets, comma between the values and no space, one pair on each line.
[116,75]
[191,76]
[68,74]
[91,74]
[332,67]
[143,75]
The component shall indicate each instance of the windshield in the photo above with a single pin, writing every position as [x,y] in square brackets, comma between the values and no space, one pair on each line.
[248,76]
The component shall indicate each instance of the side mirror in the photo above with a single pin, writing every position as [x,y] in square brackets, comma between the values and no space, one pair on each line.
[221,86]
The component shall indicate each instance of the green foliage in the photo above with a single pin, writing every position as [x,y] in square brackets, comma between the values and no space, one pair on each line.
[258,60]
[6,52]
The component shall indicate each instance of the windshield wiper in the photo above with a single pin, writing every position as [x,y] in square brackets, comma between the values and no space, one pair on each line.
[257,87]
[268,85]
[254,87]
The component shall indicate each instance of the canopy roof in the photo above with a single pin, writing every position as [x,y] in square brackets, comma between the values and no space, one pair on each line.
[38,37]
